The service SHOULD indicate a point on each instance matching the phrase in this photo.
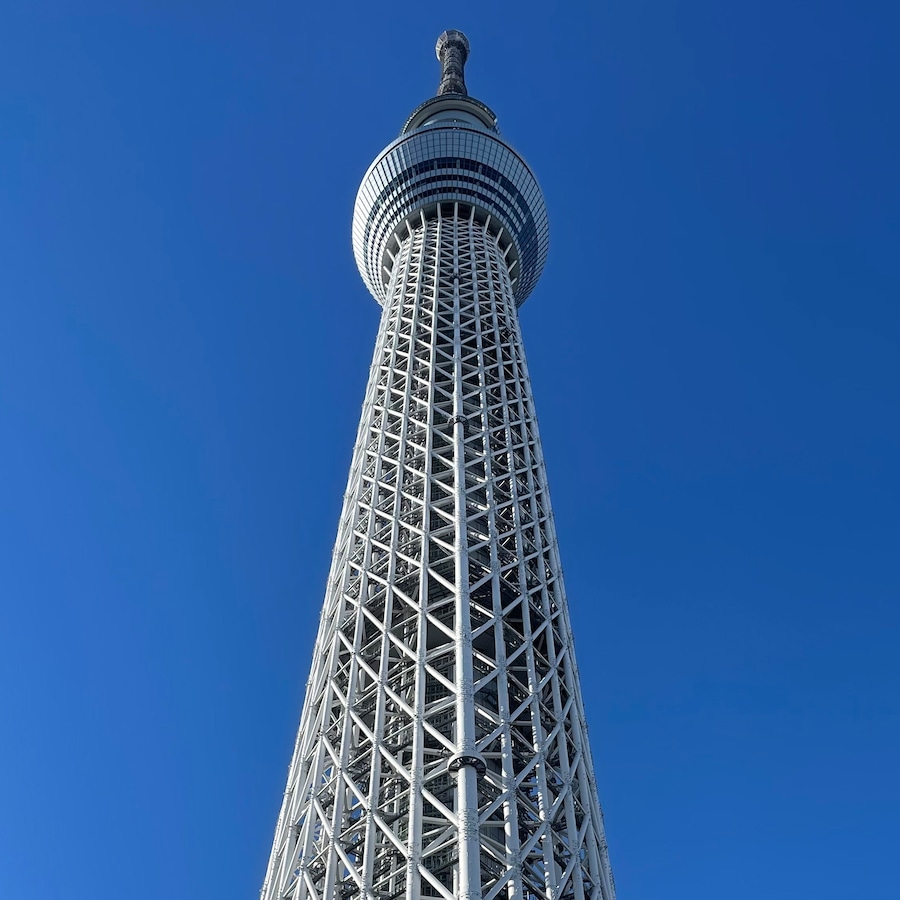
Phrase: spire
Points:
(452, 50)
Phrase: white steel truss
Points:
(442, 749)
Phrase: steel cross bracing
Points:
(442, 749)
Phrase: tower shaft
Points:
(442, 749)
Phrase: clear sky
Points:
(715, 350)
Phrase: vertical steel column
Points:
(465, 760)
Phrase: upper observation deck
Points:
(450, 151)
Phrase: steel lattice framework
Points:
(442, 749)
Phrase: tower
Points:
(442, 749)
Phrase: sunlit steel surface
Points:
(442, 749)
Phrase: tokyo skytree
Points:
(442, 749)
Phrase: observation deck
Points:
(450, 151)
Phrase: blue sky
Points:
(715, 350)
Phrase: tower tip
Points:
(452, 50)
